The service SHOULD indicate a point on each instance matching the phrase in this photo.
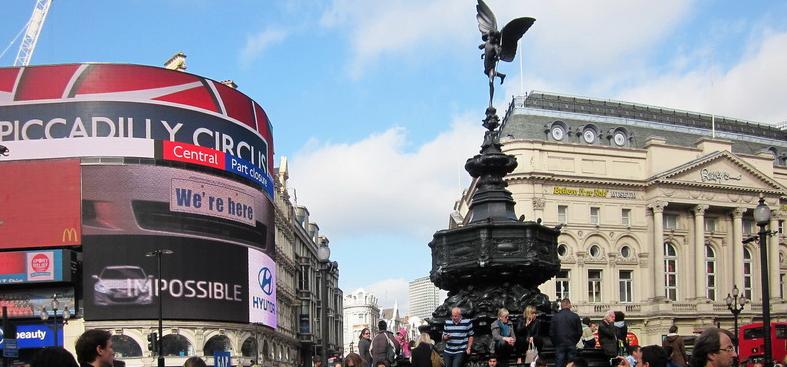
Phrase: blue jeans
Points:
(453, 360)
(563, 354)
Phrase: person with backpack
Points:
(384, 346)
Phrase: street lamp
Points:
(323, 256)
(732, 305)
(55, 305)
(160, 346)
(762, 215)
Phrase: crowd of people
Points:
(520, 341)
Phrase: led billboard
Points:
(40, 203)
(35, 266)
(200, 280)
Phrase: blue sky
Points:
(377, 104)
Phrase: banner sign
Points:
(262, 289)
(193, 154)
(40, 203)
(221, 359)
(34, 266)
(37, 336)
(197, 197)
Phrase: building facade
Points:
(423, 298)
(656, 205)
(361, 311)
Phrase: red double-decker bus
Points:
(751, 343)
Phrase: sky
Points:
(377, 104)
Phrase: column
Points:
(737, 247)
(582, 280)
(699, 252)
(658, 249)
(773, 258)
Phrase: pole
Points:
(5, 330)
(766, 296)
(159, 344)
(324, 317)
(736, 332)
(56, 325)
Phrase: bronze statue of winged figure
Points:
(498, 45)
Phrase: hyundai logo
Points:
(265, 277)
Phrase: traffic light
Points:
(152, 342)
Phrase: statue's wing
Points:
(511, 34)
(486, 19)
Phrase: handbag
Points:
(532, 353)
(437, 361)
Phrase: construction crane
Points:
(34, 26)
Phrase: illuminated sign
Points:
(198, 197)
(262, 289)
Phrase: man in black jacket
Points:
(607, 335)
(565, 331)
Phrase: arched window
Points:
(125, 346)
(217, 343)
(562, 250)
(595, 250)
(625, 251)
(671, 272)
(710, 273)
(747, 280)
(176, 345)
(249, 348)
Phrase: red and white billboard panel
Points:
(40, 204)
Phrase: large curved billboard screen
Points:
(51, 111)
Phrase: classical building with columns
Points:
(656, 205)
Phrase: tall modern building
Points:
(361, 311)
(655, 204)
(423, 298)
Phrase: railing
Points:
(684, 307)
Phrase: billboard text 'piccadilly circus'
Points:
(195, 177)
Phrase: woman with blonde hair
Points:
(422, 353)
(528, 330)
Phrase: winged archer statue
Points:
(498, 45)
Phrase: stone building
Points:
(361, 311)
(656, 204)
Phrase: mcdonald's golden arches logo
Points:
(70, 235)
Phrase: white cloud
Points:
(375, 186)
(753, 89)
(568, 36)
(390, 291)
(257, 43)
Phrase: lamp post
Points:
(55, 305)
(323, 256)
(160, 345)
(762, 215)
(733, 303)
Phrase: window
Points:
(561, 214)
(710, 225)
(781, 285)
(594, 286)
(710, 273)
(595, 251)
(626, 286)
(748, 227)
(562, 250)
(670, 221)
(625, 251)
(747, 279)
(594, 215)
(671, 272)
(781, 226)
(626, 217)
(561, 285)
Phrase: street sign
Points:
(9, 349)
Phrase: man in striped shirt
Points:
(458, 336)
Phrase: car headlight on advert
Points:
(101, 288)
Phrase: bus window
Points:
(781, 331)
(754, 333)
